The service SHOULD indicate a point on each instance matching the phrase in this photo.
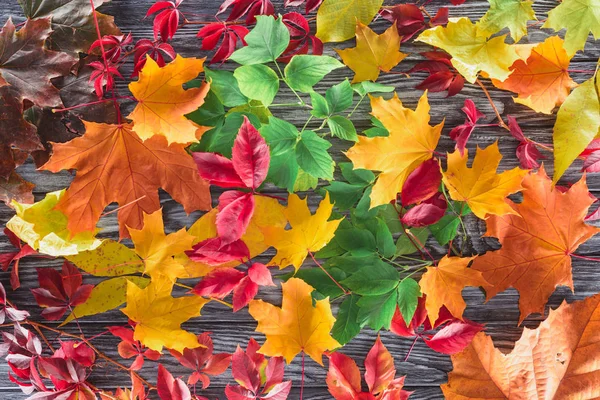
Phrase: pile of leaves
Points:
(372, 223)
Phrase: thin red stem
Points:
(487, 94)
(302, 379)
(585, 257)
(327, 273)
(122, 207)
(581, 71)
(410, 234)
(409, 237)
(59, 110)
(412, 346)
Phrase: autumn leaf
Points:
(411, 141)
(45, 228)
(267, 213)
(541, 79)
(16, 188)
(157, 249)
(308, 233)
(114, 165)
(336, 19)
(480, 186)
(577, 124)
(158, 315)
(579, 18)
(511, 14)
(444, 283)
(296, 326)
(373, 53)
(163, 103)
(537, 242)
(470, 49)
(554, 361)
(24, 59)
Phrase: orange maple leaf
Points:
(163, 103)
(114, 165)
(542, 81)
(558, 360)
(443, 285)
(538, 243)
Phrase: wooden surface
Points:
(425, 370)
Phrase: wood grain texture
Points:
(425, 370)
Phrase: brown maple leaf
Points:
(558, 360)
(114, 165)
(538, 243)
(16, 188)
(27, 66)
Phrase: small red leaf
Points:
(379, 366)
(424, 214)
(212, 252)
(343, 377)
(260, 274)
(245, 371)
(422, 183)
(217, 170)
(169, 388)
(250, 155)
(219, 283)
(243, 293)
(454, 337)
(235, 211)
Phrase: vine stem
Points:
(409, 233)
(487, 94)
(302, 379)
(122, 207)
(210, 298)
(327, 273)
(406, 230)
(412, 346)
(93, 103)
(585, 257)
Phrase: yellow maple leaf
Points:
(159, 316)
(411, 141)
(308, 233)
(373, 53)
(157, 249)
(163, 103)
(480, 186)
(296, 326)
(541, 79)
(471, 50)
(444, 283)
(267, 213)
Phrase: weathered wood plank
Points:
(425, 369)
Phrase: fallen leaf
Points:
(554, 361)
(373, 53)
(537, 242)
(308, 233)
(411, 141)
(114, 165)
(542, 79)
(443, 285)
(470, 49)
(483, 189)
(163, 103)
(16, 188)
(296, 326)
(158, 315)
(511, 14)
(169, 388)
(578, 17)
(336, 20)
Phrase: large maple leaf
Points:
(480, 186)
(558, 360)
(72, 22)
(113, 164)
(443, 285)
(537, 243)
(309, 233)
(541, 79)
(411, 142)
(579, 18)
(471, 50)
(24, 59)
(373, 53)
(163, 103)
(158, 315)
(296, 326)
(157, 249)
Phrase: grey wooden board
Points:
(425, 370)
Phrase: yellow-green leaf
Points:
(511, 14)
(109, 259)
(336, 19)
(578, 17)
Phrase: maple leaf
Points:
(24, 59)
(163, 103)
(343, 376)
(336, 20)
(373, 53)
(541, 79)
(554, 361)
(579, 18)
(308, 233)
(537, 242)
(480, 186)
(59, 292)
(16, 188)
(511, 14)
(444, 283)
(158, 315)
(267, 213)
(113, 164)
(202, 361)
(157, 249)
(411, 141)
(45, 228)
(296, 326)
(471, 51)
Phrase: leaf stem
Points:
(487, 94)
(327, 273)
(301, 101)
(302, 381)
(412, 346)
